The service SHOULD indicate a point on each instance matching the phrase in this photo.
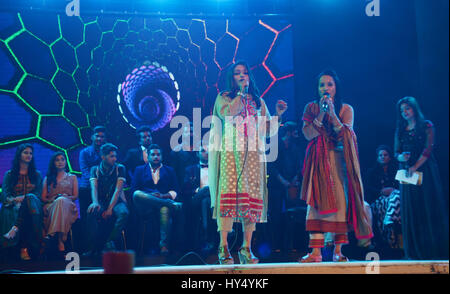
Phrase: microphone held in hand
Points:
(324, 104)
(244, 87)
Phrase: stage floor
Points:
(352, 267)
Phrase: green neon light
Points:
(26, 103)
(51, 144)
(13, 36)
(68, 161)
(21, 21)
(16, 141)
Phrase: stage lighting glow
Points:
(62, 87)
(147, 96)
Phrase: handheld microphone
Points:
(324, 104)
(246, 90)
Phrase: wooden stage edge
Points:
(353, 267)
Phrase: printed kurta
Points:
(237, 167)
(60, 214)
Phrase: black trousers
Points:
(30, 224)
(104, 231)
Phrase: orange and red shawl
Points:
(317, 179)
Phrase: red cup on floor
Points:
(118, 262)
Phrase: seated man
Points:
(138, 156)
(155, 186)
(196, 195)
(108, 213)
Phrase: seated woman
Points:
(383, 195)
(60, 190)
(21, 205)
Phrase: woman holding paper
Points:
(424, 219)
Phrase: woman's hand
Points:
(93, 207)
(107, 213)
(281, 107)
(331, 111)
(321, 102)
(19, 199)
(404, 157)
(243, 87)
(411, 171)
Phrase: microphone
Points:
(245, 89)
(324, 104)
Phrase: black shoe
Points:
(110, 246)
(164, 251)
(91, 254)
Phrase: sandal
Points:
(339, 258)
(12, 233)
(246, 256)
(225, 256)
(309, 258)
(24, 254)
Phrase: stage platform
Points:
(352, 267)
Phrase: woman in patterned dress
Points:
(60, 190)
(384, 197)
(237, 164)
(332, 185)
(21, 211)
(423, 210)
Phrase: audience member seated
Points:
(138, 156)
(134, 158)
(183, 154)
(383, 194)
(88, 158)
(60, 190)
(21, 210)
(155, 188)
(197, 204)
(108, 213)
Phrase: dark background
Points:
(402, 52)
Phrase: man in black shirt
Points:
(138, 156)
(108, 212)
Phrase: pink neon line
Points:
(290, 25)
(285, 77)
(237, 45)
(268, 27)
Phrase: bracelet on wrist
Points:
(338, 128)
(317, 123)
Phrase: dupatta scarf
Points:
(317, 187)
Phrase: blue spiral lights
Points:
(148, 96)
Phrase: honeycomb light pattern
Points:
(64, 71)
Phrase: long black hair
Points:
(392, 162)
(418, 115)
(337, 97)
(15, 170)
(233, 88)
(52, 172)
